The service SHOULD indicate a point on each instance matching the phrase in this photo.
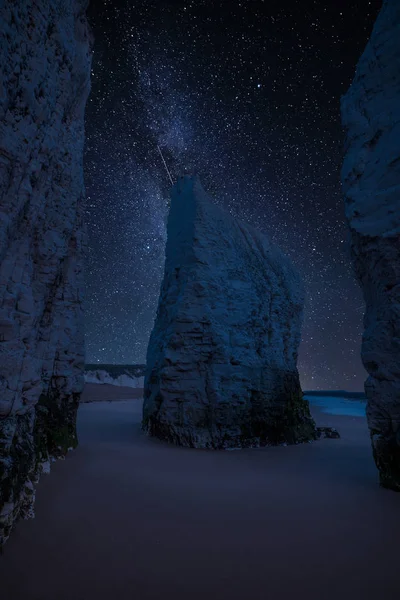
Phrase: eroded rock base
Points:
(386, 453)
(28, 444)
(384, 424)
(377, 263)
(253, 423)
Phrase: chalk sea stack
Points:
(371, 184)
(45, 58)
(221, 362)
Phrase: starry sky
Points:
(246, 94)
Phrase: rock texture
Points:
(221, 362)
(45, 62)
(371, 183)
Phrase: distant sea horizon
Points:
(115, 369)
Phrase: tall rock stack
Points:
(221, 362)
(371, 183)
(45, 60)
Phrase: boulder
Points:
(328, 432)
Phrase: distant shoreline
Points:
(115, 370)
(336, 394)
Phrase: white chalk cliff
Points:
(371, 184)
(221, 361)
(45, 60)
(102, 377)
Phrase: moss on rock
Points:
(28, 441)
(55, 426)
(386, 452)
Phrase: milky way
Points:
(247, 95)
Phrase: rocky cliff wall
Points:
(371, 184)
(221, 362)
(45, 60)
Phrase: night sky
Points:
(246, 94)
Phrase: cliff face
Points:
(221, 362)
(371, 183)
(45, 60)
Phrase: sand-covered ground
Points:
(125, 517)
(105, 392)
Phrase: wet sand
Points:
(125, 517)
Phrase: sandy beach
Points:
(127, 517)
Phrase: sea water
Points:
(338, 406)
